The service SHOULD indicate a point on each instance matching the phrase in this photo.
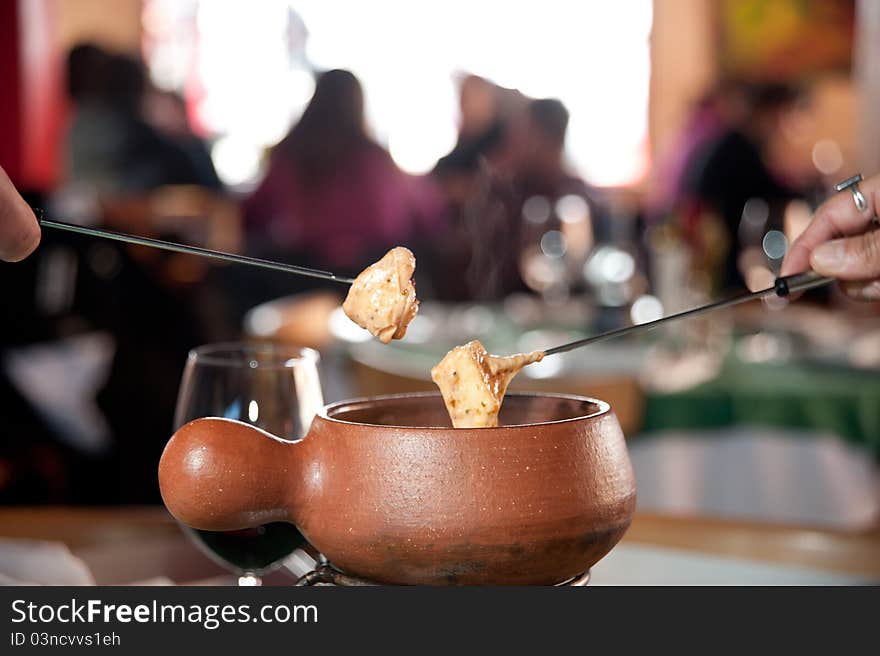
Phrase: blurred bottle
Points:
(670, 267)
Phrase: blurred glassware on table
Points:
(682, 278)
(313, 319)
(508, 184)
(273, 388)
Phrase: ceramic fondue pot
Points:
(388, 491)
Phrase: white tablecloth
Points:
(760, 474)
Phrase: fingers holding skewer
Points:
(842, 240)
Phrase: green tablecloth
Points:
(800, 395)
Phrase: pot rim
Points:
(604, 408)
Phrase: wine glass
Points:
(271, 387)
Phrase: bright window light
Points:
(593, 55)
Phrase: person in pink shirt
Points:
(332, 196)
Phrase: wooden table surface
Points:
(139, 542)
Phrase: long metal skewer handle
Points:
(782, 287)
(190, 250)
(799, 282)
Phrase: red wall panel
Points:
(10, 91)
(31, 94)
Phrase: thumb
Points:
(19, 230)
(853, 258)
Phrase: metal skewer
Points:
(191, 250)
(783, 287)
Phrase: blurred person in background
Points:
(332, 197)
(732, 170)
(534, 158)
(720, 108)
(166, 111)
(527, 163)
(93, 134)
(486, 111)
(466, 177)
(111, 148)
(537, 166)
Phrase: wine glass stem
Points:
(249, 580)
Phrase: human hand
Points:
(842, 242)
(19, 230)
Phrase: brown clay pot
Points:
(388, 491)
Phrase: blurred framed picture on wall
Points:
(777, 40)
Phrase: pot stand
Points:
(326, 574)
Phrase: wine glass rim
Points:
(241, 354)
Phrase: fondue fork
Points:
(191, 250)
(782, 287)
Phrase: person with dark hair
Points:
(166, 111)
(534, 155)
(331, 194)
(86, 71)
(710, 116)
(330, 129)
(550, 118)
(111, 148)
(526, 163)
(541, 160)
(94, 133)
(732, 170)
(485, 110)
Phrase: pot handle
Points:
(219, 475)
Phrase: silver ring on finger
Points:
(853, 185)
